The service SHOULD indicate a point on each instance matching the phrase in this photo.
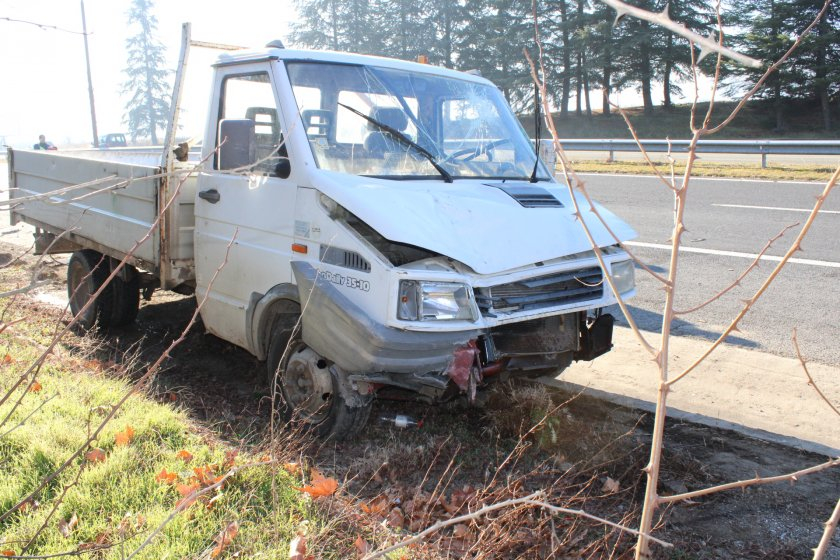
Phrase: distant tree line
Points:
(585, 49)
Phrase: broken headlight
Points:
(624, 276)
(434, 301)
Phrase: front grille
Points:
(564, 288)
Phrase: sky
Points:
(44, 87)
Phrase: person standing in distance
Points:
(43, 144)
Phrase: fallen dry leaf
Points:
(35, 387)
(184, 455)
(320, 485)
(95, 455)
(166, 477)
(8, 553)
(7, 359)
(361, 546)
(291, 468)
(186, 489)
(377, 506)
(297, 549)
(460, 531)
(230, 459)
(66, 527)
(396, 519)
(611, 486)
(205, 475)
(125, 437)
(224, 538)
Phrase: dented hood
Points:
(480, 225)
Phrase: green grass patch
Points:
(710, 169)
(756, 120)
(119, 501)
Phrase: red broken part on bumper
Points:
(464, 359)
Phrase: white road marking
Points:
(730, 179)
(776, 208)
(811, 262)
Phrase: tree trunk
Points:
(586, 88)
(579, 65)
(666, 78)
(564, 21)
(777, 106)
(821, 79)
(579, 84)
(645, 76)
(606, 71)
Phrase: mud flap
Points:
(595, 337)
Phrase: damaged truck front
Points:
(440, 255)
(366, 226)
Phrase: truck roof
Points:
(246, 56)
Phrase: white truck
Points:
(386, 227)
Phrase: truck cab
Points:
(387, 227)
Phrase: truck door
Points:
(246, 212)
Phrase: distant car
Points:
(115, 140)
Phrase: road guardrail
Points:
(757, 147)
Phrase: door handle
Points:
(212, 196)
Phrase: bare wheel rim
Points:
(307, 384)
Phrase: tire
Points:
(309, 394)
(126, 298)
(86, 272)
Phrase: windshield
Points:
(351, 114)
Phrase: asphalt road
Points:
(736, 216)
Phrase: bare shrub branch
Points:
(828, 534)
(789, 477)
(743, 275)
(811, 381)
(795, 246)
(662, 19)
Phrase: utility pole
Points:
(90, 80)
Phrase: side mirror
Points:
(237, 143)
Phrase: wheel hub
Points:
(307, 384)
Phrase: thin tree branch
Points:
(662, 19)
(737, 282)
(828, 533)
(775, 66)
(811, 381)
(796, 246)
(530, 500)
(794, 476)
(598, 254)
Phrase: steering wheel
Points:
(473, 153)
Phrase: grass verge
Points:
(711, 169)
(145, 462)
(150, 460)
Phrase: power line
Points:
(43, 26)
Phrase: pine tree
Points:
(148, 107)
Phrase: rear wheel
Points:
(308, 389)
(126, 297)
(86, 272)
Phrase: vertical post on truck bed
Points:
(167, 161)
(175, 105)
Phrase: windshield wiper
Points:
(405, 140)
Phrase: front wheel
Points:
(308, 389)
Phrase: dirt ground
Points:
(587, 441)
